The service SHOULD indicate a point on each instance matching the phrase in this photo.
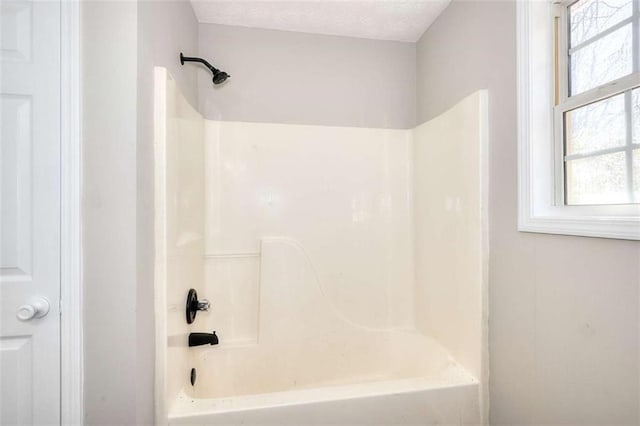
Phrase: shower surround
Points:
(346, 269)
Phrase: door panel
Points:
(16, 359)
(16, 188)
(29, 211)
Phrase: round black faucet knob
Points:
(194, 305)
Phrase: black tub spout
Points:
(199, 339)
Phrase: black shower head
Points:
(219, 77)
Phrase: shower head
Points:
(219, 77)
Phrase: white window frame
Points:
(541, 206)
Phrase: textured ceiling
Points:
(401, 20)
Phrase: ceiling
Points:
(400, 20)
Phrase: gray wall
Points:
(564, 310)
(121, 43)
(109, 210)
(290, 77)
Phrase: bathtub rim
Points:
(188, 407)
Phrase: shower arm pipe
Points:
(184, 59)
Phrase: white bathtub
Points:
(377, 382)
(312, 366)
(406, 402)
(417, 401)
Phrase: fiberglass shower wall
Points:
(343, 194)
(179, 232)
(338, 260)
(391, 226)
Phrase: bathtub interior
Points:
(305, 342)
(332, 256)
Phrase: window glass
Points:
(600, 179)
(604, 60)
(588, 18)
(597, 126)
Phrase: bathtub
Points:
(448, 398)
(321, 368)
(403, 402)
(378, 382)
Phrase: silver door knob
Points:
(38, 308)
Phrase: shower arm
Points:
(184, 59)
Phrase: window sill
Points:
(601, 227)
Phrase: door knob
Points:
(38, 308)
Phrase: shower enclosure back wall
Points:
(342, 194)
(308, 264)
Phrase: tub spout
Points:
(199, 339)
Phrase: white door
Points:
(29, 212)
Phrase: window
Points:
(598, 102)
(579, 117)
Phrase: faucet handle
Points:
(194, 305)
(203, 305)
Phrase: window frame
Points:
(541, 206)
(565, 102)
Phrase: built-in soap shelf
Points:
(232, 283)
